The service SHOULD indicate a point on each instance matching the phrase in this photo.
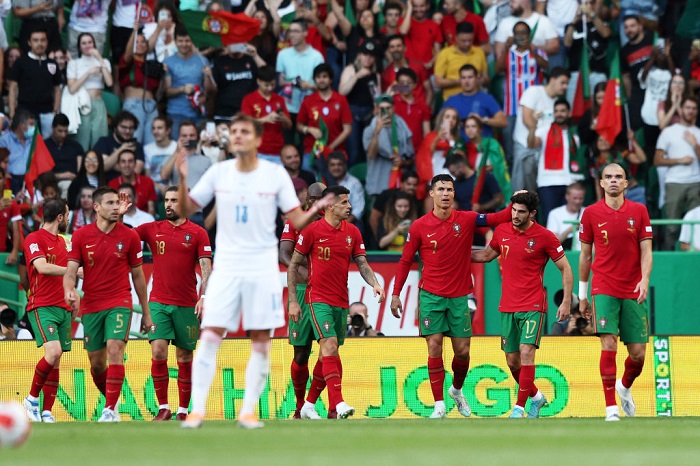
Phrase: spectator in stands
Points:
(472, 102)
(34, 15)
(690, 233)
(587, 124)
(358, 325)
(139, 90)
(544, 34)
(523, 68)
(158, 151)
(409, 184)
(571, 211)
(414, 111)
(396, 56)
(61, 58)
(327, 106)
(393, 226)
(456, 13)
(134, 217)
(92, 17)
(387, 140)
(10, 57)
(90, 173)
(35, 84)
(669, 110)
(197, 163)
(358, 36)
(162, 38)
(18, 141)
(84, 213)
(144, 187)
(359, 83)
(270, 29)
(595, 36)
(65, 153)
(89, 73)
(647, 12)
(453, 58)
(423, 35)
(655, 78)
(678, 148)
(124, 125)
(393, 12)
(465, 177)
(123, 18)
(296, 66)
(269, 109)
(561, 13)
(235, 75)
(560, 161)
(187, 80)
(604, 154)
(338, 171)
(633, 56)
(10, 219)
(536, 110)
(487, 150)
(430, 158)
(291, 160)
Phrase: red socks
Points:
(460, 367)
(184, 383)
(632, 370)
(100, 381)
(436, 372)
(115, 380)
(159, 372)
(50, 389)
(516, 376)
(300, 377)
(608, 372)
(331, 373)
(318, 383)
(526, 382)
(41, 373)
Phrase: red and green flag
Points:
(219, 28)
(610, 116)
(582, 98)
(39, 162)
(492, 156)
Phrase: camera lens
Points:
(357, 321)
(7, 317)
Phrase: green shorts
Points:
(329, 321)
(449, 316)
(521, 328)
(626, 315)
(110, 324)
(301, 333)
(178, 324)
(51, 323)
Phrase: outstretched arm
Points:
(484, 255)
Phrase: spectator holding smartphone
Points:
(397, 219)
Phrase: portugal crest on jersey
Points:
(188, 239)
(120, 249)
(603, 322)
(631, 222)
(348, 241)
(51, 329)
(530, 245)
(295, 334)
(426, 323)
(327, 326)
(457, 229)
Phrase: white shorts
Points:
(253, 302)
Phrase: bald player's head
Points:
(613, 180)
(315, 193)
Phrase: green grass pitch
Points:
(566, 442)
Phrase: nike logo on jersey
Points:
(323, 240)
(88, 246)
(432, 234)
(117, 331)
(158, 235)
(51, 248)
(601, 224)
(505, 239)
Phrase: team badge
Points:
(120, 246)
(603, 322)
(348, 240)
(33, 248)
(325, 111)
(153, 328)
(530, 245)
(87, 339)
(631, 222)
(504, 342)
(188, 239)
(295, 334)
(326, 326)
(457, 229)
(426, 322)
(51, 67)
(51, 329)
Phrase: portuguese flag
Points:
(40, 161)
(610, 116)
(219, 28)
(582, 98)
(492, 156)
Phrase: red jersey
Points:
(448, 26)
(107, 260)
(389, 78)
(329, 251)
(335, 113)
(421, 38)
(616, 235)
(414, 114)
(257, 106)
(289, 233)
(145, 190)
(176, 252)
(524, 255)
(45, 290)
(7, 216)
(445, 249)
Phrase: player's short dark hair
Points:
(337, 155)
(60, 120)
(395, 37)
(562, 101)
(558, 72)
(241, 117)
(441, 177)
(172, 189)
(130, 187)
(337, 191)
(392, 5)
(266, 74)
(407, 72)
(522, 23)
(465, 28)
(406, 174)
(165, 119)
(324, 68)
(100, 192)
(529, 199)
(468, 67)
(181, 31)
(53, 208)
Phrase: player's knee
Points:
(159, 351)
(210, 336)
(262, 347)
(301, 355)
(183, 355)
(53, 355)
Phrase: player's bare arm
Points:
(300, 218)
(141, 291)
(45, 268)
(70, 278)
(567, 281)
(368, 276)
(124, 205)
(484, 255)
(205, 265)
(646, 262)
(293, 308)
(185, 206)
(584, 270)
(285, 257)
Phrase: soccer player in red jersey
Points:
(443, 238)
(525, 248)
(47, 257)
(621, 232)
(301, 334)
(177, 246)
(108, 251)
(329, 244)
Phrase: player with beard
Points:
(178, 245)
(49, 315)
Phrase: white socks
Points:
(255, 379)
(204, 369)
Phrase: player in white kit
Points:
(244, 285)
